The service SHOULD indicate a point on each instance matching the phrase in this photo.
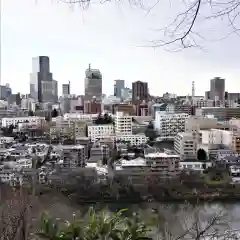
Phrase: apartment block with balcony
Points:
(73, 156)
(123, 124)
(186, 145)
(169, 125)
(165, 164)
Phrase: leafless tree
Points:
(193, 222)
(14, 208)
(183, 31)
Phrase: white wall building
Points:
(6, 122)
(137, 139)
(79, 116)
(98, 132)
(123, 124)
(186, 145)
(195, 166)
(218, 136)
(168, 125)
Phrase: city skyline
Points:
(56, 31)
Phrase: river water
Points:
(231, 212)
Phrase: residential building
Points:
(168, 125)
(123, 124)
(37, 121)
(73, 156)
(217, 137)
(139, 92)
(42, 86)
(195, 166)
(217, 89)
(165, 164)
(133, 139)
(93, 84)
(186, 145)
(98, 132)
(119, 85)
(99, 153)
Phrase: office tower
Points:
(66, 89)
(93, 84)
(42, 86)
(139, 91)
(217, 89)
(118, 86)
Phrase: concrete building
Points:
(133, 139)
(99, 132)
(186, 145)
(220, 113)
(66, 89)
(217, 137)
(73, 156)
(123, 124)
(168, 125)
(195, 166)
(119, 85)
(93, 84)
(99, 153)
(166, 164)
(42, 86)
(139, 92)
(217, 89)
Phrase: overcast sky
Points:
(108, 36)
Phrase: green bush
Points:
(94, 226)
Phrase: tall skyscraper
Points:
(217, 89)
(93, 84)
(42, 86)
(139, 91)
(118, 86)
(66, 89)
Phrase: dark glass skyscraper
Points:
(42, 86)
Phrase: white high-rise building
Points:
(123, 124)
(169, 125)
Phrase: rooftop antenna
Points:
(89, 66)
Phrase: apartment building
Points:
(73, 156)
(168, 125)
(37, 121)
(136, 140)
(79, 116)
(165, 164)
(154, 165)
(123, 124)
(194, 166)
(99, 132)
(99, 153)
(186, 145)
